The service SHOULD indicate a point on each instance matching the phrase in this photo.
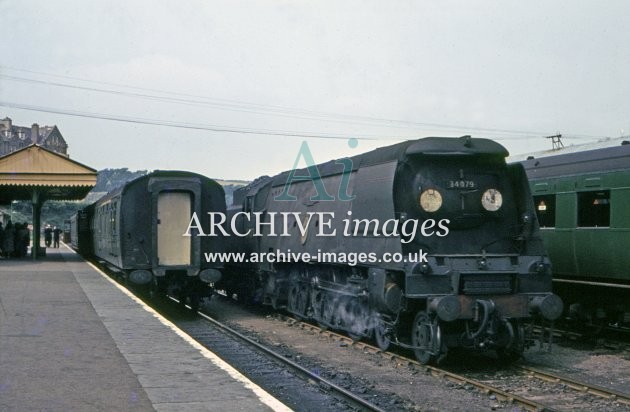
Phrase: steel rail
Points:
(611, 343)
(592, 389)
(354, 400)
(577, 385)
(357, 401)
(500, 394)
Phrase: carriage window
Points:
(594, 209)
(546, 210)
(114, 206)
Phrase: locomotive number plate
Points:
(461, 184)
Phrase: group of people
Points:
(14, 239)
(51, 235)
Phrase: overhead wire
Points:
(232, 105)
(193, 126)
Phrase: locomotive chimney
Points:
(35, 133)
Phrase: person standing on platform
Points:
(48, 235)
(23, 238)
(8, 242)
(17, 239)
(1, 240)
(56, 233)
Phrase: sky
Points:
(231, 89)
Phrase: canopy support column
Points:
(37, 214)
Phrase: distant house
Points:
(14, 138)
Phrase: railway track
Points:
(608, 337)
(206, 336)
(312, 394)
(502, 389)
(579, 386)
(556, 392)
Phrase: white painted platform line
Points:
(260, 393)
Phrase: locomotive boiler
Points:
(428, 244)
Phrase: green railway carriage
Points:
(583, 205)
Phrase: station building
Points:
(14, 138)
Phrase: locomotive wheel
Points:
(515, 350)
(298, 300)
(425, 334)
(275, 302)
(380, 336)
(292, 299)
(316, 303)
(272, 293)
(327, 311)
(356, 319)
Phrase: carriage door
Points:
(173, 214)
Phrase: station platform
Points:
(73, 339)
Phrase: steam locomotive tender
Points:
(137, 230)
(482, 277)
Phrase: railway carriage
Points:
(486, 270)
(137, 230)
(80, 234)
(583, 204)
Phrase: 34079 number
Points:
(461, 184)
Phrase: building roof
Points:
(53, 175)
(26, 133)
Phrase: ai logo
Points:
(315, 177)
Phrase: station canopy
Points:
(36, 171)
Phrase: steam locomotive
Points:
(469, 274)
(137, 230)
